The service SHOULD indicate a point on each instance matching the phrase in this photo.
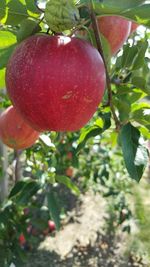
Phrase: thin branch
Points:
(100, 49)
(17, 165)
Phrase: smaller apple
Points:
(69, 171)
(52, 226)
(69, 155)
(22, 240)
(134, 27)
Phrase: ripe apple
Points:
(14, 131)
(134, 26)
(56, 82)
(69, 171)
(52, 226)
(69, 155)
(115, 29)
(22, 240)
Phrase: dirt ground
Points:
(83, 240)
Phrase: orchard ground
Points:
(87, 240)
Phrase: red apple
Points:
(134, 26)
(52, 226)
(14, 131)
(69, 155)
(69, 171)
(116, 30)
(22, 240)
(56, 82)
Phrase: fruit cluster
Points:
(56, 83)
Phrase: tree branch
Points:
(17, 165)
(100, 49)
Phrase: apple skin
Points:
(56, 82)
(115, 29)
(134, 26)
(14, 131)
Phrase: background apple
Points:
(56, 82)
(134, 26)
(115, 29)
(14, 131)
(51, 225)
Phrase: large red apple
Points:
(116, 30)
(56, 82)
(14, 131)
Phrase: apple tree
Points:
(77, 75)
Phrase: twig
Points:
(100, 49)
(17, 165)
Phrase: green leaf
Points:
(139, 13)
(129, 53)
(31, 6)
(139, 82)
(28, 27)
(2, 78)
(135, 155)
(7, 45)
(113, 6)
(135, 10)
(141, 113)
(29, 190)
(67, 181)
(7, 38)
(17, 188)
(54, 208)
(139, 59)
(5, 54)
(145, 132)
(124, 107)
(17, 11)
(2, 9)
(93, 131)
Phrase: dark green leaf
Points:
(31, 6)
(67, 181)
(5, 54)
(135, 155)
(139, 82)
(2, 9)
(129, 53)
(17, 188)
(95, 130)
(17, 11)
(139, 59)
(28, 27)
(54, 208)
(29, 190)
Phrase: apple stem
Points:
(100, 49)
